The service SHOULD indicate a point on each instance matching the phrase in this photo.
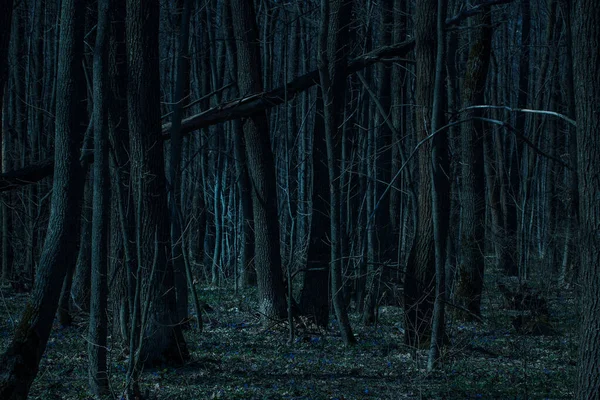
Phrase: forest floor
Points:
(234, 358)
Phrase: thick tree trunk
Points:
(36, 119)
(469, 283)
(20, 362)
(419, 286)
(12, 133)
(121, 191)
(261, 166)
(586, 69)
(162, 338)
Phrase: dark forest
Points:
(299, 199)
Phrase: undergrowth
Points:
(236, 358)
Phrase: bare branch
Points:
(249, 104)
(525, 110)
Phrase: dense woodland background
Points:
(332, 170)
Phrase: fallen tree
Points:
(247, 105)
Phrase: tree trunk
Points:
(469, 283)
(586, 69)
(568, 88)
(175, 207)
(398, 94)
(98, 325)
(419, 287)
(333, 53)
(5, 24)
(80, 288)
(20, 362)
(246, 266)
(36, 119)
(161, 335)
(314, 297)
(11, 130)
(440, 190)
(261, 166)
(513, 244)
(77, 283)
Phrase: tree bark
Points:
(80, 287)
(161, 336)
(469, 283)
(440, 190)
(314, 297)
(261, 166)
(333, 53)
(586, 69)
(20, 362)
(5, 23)
(419, 286)
(77, 282)
(36, 119)
(176, 212)
(246, 266)
(398, 95)
(98, 324)
(568, 89)
(512, 236)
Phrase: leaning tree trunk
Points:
(19, 364)
(261, 166)
(586, 69)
